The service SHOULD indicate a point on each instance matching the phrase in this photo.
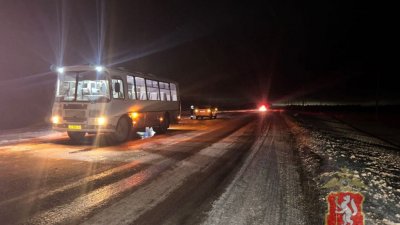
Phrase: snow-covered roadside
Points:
(338, 158)
(385, 127)
(14, 136)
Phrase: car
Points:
(205, 111)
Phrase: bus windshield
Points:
(92, 86)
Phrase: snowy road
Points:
(243, 168)
(48, 180)
(267, 189)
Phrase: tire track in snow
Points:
(266, 190)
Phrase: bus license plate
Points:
(74, 127)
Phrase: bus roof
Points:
(119, 71)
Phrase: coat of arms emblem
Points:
(345, 208)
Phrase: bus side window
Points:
(120, 94)
(140, 88)
(173, 92)
(165, 92)
(131, 87)
(152, 90)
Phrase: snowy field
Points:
(338, 157)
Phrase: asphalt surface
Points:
(237, 169)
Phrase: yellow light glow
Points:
(161, 119)
(55, 119)
(133, 115)
(101, 121)
(216, 109)
(178, 117)
(196, 110)
(208, 110)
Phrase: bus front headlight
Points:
(55, 119)
(101, 121)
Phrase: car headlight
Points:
(262, 108)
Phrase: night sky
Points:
(229, 54)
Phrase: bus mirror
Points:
(117, 87)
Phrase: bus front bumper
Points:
(84, 128)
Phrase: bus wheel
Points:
(123, 130)
(162, 129)
(76, 136)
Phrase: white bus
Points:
(95, 99)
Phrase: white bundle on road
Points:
(149, 132)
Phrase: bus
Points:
(97, 99)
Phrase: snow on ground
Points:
(167, 182)
(382, 125)
(266, 189)
(337, 157)
(14, 136)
